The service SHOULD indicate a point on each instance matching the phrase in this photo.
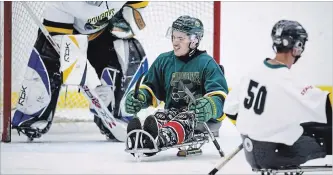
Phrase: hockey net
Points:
(72, 105)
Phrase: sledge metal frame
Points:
(294, 170)
(196, 142)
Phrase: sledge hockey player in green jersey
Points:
(186, 66)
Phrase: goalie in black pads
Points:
(171, 71)
(283, 121)
(100, 32)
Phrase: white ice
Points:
(80, 149)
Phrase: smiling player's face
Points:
(180, 43)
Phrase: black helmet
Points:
(289, 35)
(189, 25)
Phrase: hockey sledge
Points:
(299, 170)
(295, 169)
(192, 146)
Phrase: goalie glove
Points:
(126, 23)
(120, 28)
(134, 105)
(204, 109)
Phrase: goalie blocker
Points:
(42, 82)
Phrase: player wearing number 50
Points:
(283, 122)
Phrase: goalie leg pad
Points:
(75, 67)
(106, 94)
(109, 79)
(38, 96)
(134, 63)
(127, 57)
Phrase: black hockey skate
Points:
(33, 132)
(134, 124)
(154, 138)
(29, 132)
(151, 126)
(140, 142)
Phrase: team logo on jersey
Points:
(190, 79)
(99, 21)
(304, 90)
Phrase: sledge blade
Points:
(185, 153)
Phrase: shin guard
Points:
(37, 98)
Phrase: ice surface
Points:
(80, 149)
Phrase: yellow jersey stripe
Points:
(59, 30)
(218, 93)
(138, 5)
(154, 99)
(95, 35)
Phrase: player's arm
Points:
(231, 104)
(56, 20)
(150, 92)
(210, 106)
(317, 101)
(216, 88)
(314, 103)
(152, 84)
(329, 108)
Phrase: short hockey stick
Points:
(137, 86)
(136, 89)
(191, 96)
(117, 129)
(225, 161)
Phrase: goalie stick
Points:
(192, 98)
(136, 89)
(114, 126)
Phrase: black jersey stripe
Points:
(58, 24)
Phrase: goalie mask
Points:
(289, 36)
(193, 27)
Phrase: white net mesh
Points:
(158, 17)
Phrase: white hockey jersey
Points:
(270, 104)
(87, 17)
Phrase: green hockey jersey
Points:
(199, 73)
